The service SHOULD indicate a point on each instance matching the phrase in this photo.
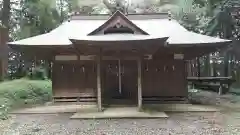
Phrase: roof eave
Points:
(209, 44)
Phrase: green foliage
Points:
(37, 17)
(20, 92)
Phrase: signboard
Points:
(178, 56)
(66, 57)
(87, 57)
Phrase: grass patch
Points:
(21, 92)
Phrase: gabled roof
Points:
(118, 17)
(78, 29)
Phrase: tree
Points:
(37, 17)
(5, 16)
(30, 18)
(219, 18)
(113, 6)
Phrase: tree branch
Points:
(110, 6)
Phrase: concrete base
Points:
(181, 108)
(121, 112)
(152, 109)
(63, 108)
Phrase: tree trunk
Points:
(5, 17)
(227, 33)
(61, 11)
(6, 13)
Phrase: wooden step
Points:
(164, 99)
(75, 99)
(65, 100)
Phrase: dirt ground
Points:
(226, 122)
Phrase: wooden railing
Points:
(217, 84)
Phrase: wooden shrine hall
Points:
(129, 59)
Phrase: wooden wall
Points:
(160, 79)
(73, 79)
(164, 78)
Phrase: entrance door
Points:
(129, 80)
(120, 81)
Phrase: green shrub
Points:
(23, 91)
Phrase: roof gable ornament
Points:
(169, 15)
(118, 23)
(119, 8)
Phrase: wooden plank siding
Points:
(110, 80)
(160, 79)
(75, 79)
(164, 79)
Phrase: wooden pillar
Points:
(198, 67)
(49, 69)
(119, 77)
(220, 89)
(139, 65)
(189, 68)
(99, 86)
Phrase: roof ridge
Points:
(136, 16)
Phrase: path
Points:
(177, 124)
(211, 123)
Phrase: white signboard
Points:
(66, 57)
(178, 56)
(87, 57)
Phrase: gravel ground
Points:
(177, 124)
(208, 123)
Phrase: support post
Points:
(119, 76)
(198, 67)
(99, 86)
(220, 89)
(139, 65)
(49, 69)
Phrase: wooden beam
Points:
(139, 65)
(99, 86)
